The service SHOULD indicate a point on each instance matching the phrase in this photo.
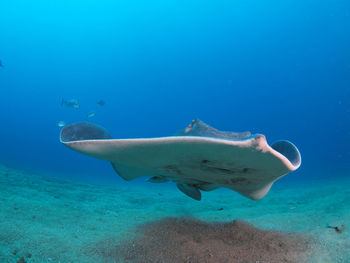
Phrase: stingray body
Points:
(197, 158)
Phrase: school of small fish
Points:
(75, 104)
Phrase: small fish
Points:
(72, 103)
(1, 65)
(101, 102)
(91, 114)
(337, 229)
(61, 124)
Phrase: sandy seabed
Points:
(44, 219)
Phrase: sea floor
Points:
(44, 219)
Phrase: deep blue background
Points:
(280, 68)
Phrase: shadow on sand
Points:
(190, 240)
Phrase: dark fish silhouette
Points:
(101, 102)
(1, 65)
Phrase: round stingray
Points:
(246, 165)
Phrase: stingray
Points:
(198, 158)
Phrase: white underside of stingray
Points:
(246, 165)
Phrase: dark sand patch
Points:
(175, 239)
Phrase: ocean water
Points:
(278, 68)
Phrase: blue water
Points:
(280, 68)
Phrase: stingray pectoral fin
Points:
(254, 192)
(190, 190)
(129, 173)
(157, 179)
(83, 131)
(288, 150)
(208, 187)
